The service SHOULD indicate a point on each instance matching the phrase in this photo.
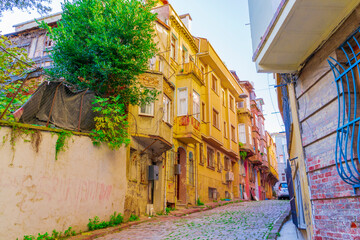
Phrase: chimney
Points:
(186, 19)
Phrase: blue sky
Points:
(225, 23)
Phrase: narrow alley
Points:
(244, 220)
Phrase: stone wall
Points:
(335, 207)
(39, 194)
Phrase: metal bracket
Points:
(355, 187)
(281, 85)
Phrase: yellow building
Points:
(184, 145)
(203, 161)
(218, 172)
(273, 175)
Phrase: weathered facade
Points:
(272, 173)
(246, 143)
(281, 154)
(39, 193)
(318, 88)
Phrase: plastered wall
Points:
(39, 194)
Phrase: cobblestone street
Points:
(245, 220)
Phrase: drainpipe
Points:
(165, 181)
(196, 172)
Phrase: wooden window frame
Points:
(217, 119)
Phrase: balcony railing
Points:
(188, 128)
(191, 67)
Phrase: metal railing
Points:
(346, 73)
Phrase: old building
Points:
(313, 46)
(272, 174)
(184, 146)
(246, 144)
(281, 154)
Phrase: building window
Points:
(182, 102)
(242, 133)
(231, 104)
(226, 163)
(147, 109)
(225, 130)
(241, 104)
(196, 105)
(191, 169)
(233, 134)
(48, 42)
(223, 97)
(214, 83)
(173, 47)
(215, 118)
(152, 63)
(249, 135)
(203, 112)
(218, 161)
(345, 67)
(210, 157)
(185, 55)
(201, 154)
(247, 103)
(212, 193)
(256, 121)
(167, 109)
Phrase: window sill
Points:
(233, 141)
(145, 115)
(216, 127)
(167, 123)
(212, 168)
(215, 92)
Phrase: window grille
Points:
(346, 73)
(286, 78)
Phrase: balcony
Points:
(191, 67)
(187, 129)
(256, 159)
(274, 173)
(244, 110)
(277, 26)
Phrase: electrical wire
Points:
(273, 105)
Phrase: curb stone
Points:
(278, 224)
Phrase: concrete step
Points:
(181, 206)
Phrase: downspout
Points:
(165, 183)
(196, 172)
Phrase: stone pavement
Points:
(245, 220)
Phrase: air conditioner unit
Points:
(153, 173)
(229, 176)
(177, 169)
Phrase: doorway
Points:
(181, 178)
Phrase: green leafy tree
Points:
(104, 46)
(9, 5)
(13, 62)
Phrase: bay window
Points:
(182, 102)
